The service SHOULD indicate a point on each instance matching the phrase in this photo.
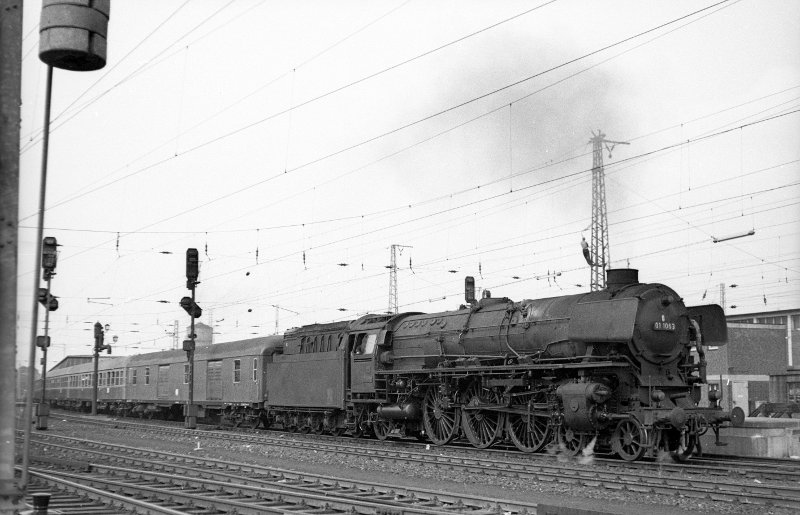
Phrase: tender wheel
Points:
(481, 427)
(629, 440)
(337, 431)
(569, 441)
(529, 431)
(440, 419)
(382, 429)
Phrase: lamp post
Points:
(71, 37)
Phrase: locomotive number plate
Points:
(664, 326)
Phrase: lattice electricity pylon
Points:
(599, 246)
(393, 307)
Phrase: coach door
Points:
(162, 387)
(214, 380)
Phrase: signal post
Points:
(99, 336)
(194, 311)
(50, 302)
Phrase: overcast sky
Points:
(293, 143)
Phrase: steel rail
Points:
(278, 481)
(567, 473)
(113, 500)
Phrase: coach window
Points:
(146, 375)
(237, 370)
(186, 374)
(255, 369)
(133, 377)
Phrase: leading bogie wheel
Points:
(570, 442)
(629, 440)
(382, 428)
(682, 448)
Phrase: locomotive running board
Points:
(548, 367)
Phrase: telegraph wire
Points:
(293, 107)
(397, 129)
(485, 199)
(112, 68)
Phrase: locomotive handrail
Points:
(509, 314)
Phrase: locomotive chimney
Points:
(617, 278)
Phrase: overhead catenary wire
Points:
(418, 121)
(306, 61)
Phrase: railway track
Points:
(785, 471)
(67, 497)
(712, 482)
(186, 483)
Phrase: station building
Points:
(760, 363)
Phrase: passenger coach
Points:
(229, 382)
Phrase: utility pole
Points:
(175, 336)
(277, 314)
(393, 308)
(10, 100)
(599, 246)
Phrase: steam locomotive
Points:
(620, 369)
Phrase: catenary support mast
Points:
(599, 246)
(393, 307)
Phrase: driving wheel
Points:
(482, 427)
(440, 419)
(527, 429)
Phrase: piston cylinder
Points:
(580, 401)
